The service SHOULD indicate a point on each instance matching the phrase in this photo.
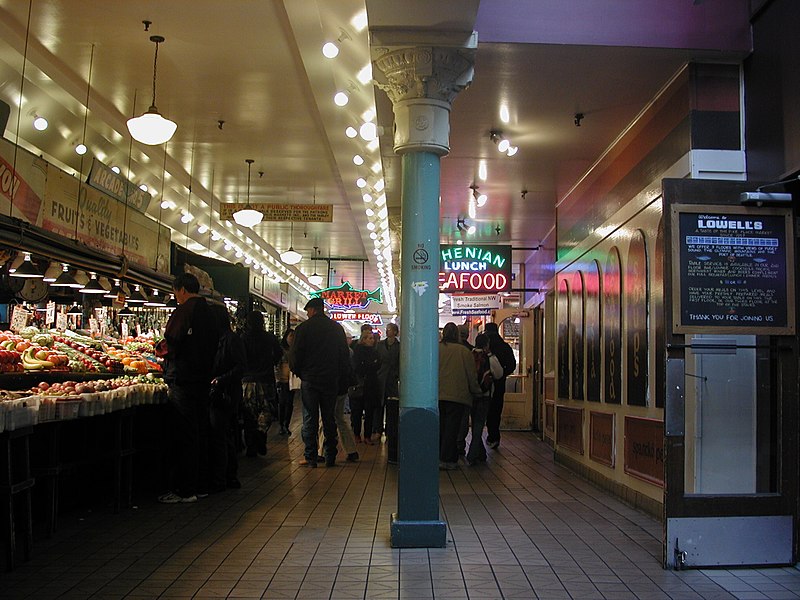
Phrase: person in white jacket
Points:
(488, 367)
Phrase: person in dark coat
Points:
(226, 396)
(259, 396)
(319, 356)
(365, 365)
(505, 355)
(190, 337)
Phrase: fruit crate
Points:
(67, 409)
(47, 409)
(22, 412)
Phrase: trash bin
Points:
(392, 422)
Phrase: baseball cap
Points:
(315, 303)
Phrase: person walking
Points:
(488, 368)
(320, 357)
(505, 355)
(388, 374)
(225, 398)
(285, 394)
(365, 367)
(458, 384)
(188, 349)
(259, 397)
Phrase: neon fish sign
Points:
(346, 297)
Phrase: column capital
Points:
(422, 81)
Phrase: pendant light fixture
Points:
(66, 279)
(75, 310)
(151, 128)
(125, 312)
(115, 291)
(155, 300)
(248, 216)
(136, 296)
(92, 286)
(315, 279)
(291, 256)
(27, 269)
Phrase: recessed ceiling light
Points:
(40, 123)
(351, 132)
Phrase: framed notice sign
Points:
(733, 270)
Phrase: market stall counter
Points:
(68, 438)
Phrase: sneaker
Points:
(173, 498)
(330, 461)
(306, 463)
(352, 457)
(320, 458)
(201, 495)
(493, 445)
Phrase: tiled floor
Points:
(519, 527)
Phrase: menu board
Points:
(733, 271)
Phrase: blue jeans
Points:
(316, 401)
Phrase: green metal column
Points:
(421, 81)
(417, 523)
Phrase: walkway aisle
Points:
(520, 527)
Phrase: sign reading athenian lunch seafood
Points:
(472, 268)
(303, 213)
(734, 270)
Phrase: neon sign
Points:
(471, 269)
(366, 317)
(346, 297)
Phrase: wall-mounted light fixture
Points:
(331, 49)
(503, 143)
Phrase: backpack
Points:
(484, 373)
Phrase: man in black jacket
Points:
(319, 356)
(191, 337)
(505, 355)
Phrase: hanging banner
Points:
(301, 213)
(45, 196)
(102, 222)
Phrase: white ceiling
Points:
(257, 66)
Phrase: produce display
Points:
(32, 350)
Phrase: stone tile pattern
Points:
(520, 527)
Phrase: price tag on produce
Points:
(50, 315)
(124, 328)
(61, 321)
(19, 318)
(93, 326)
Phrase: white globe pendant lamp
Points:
(291, 256)
(248, 216)
(151, 128)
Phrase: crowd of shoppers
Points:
(227, 388)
